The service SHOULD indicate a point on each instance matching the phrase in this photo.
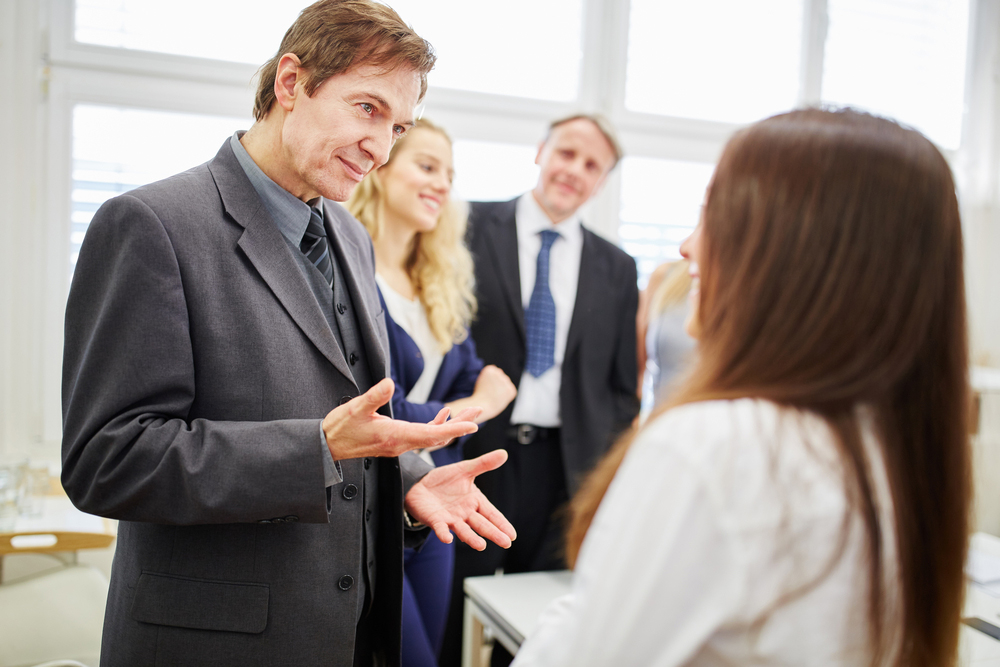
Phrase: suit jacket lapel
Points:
(270, 255)
(361, 293)
(503, 249)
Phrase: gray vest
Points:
(360, 479)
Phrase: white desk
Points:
(510, 605)
(978, 649)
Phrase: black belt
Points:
(526, 434)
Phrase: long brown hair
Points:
(831, 277)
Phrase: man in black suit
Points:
(570, 345)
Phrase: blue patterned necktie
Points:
(540, 316)
(315, 245)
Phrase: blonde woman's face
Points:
(417, 182)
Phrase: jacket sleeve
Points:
(130, 448)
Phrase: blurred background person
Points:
(557, 308)
(662, 343)
(424, 274)
(804, 498)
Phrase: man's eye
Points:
(368, 108)
(398, 130)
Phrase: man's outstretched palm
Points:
(447, 499)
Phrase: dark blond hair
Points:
(439, 265)
(832, 277)
(331, 36)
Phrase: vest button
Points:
(341, 308)
(368, 464)
(353, 359)
(350, 491)
(345, 582)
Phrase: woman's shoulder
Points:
(745, 449)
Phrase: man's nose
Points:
(378, 145)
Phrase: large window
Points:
(675, 76)
(723, 60)
(116, 149)
(131, 91)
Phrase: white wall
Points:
(23, 230)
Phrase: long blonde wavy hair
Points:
(439, 265)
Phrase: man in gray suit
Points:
(225, 392)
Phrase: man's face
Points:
(330, 141)
(574, 161)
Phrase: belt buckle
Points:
(525, 434)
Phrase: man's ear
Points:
(288, 74)
(538, 156)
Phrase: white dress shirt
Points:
(718, 511)
(537, 399)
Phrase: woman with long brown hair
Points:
(802, 499)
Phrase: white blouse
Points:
(719, 511)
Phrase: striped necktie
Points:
(540, 316)
(316, 247)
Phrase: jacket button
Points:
(264, 521)
(345, 399)
(341, 308)
(353, 359)
(368, 464)
(345, 582)
(291, 518)
(350, 491)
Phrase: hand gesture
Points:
(493, 392)
(448, 499)
(355, 430)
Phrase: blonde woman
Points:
(424, 274)
(663, 346)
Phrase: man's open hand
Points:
(448, 499)
(355, 430)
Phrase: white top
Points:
(537, 399)
(718, 511)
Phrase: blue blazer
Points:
(455, 379)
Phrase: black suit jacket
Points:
(597, 398)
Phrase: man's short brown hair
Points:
(331, 36)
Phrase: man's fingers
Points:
(442, 416)
(377, 396)
(468, 415)
(469, 536)
(486, 462)
(496, 517)
(488, 530)
(440, 529)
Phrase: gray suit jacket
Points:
(198, 366)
